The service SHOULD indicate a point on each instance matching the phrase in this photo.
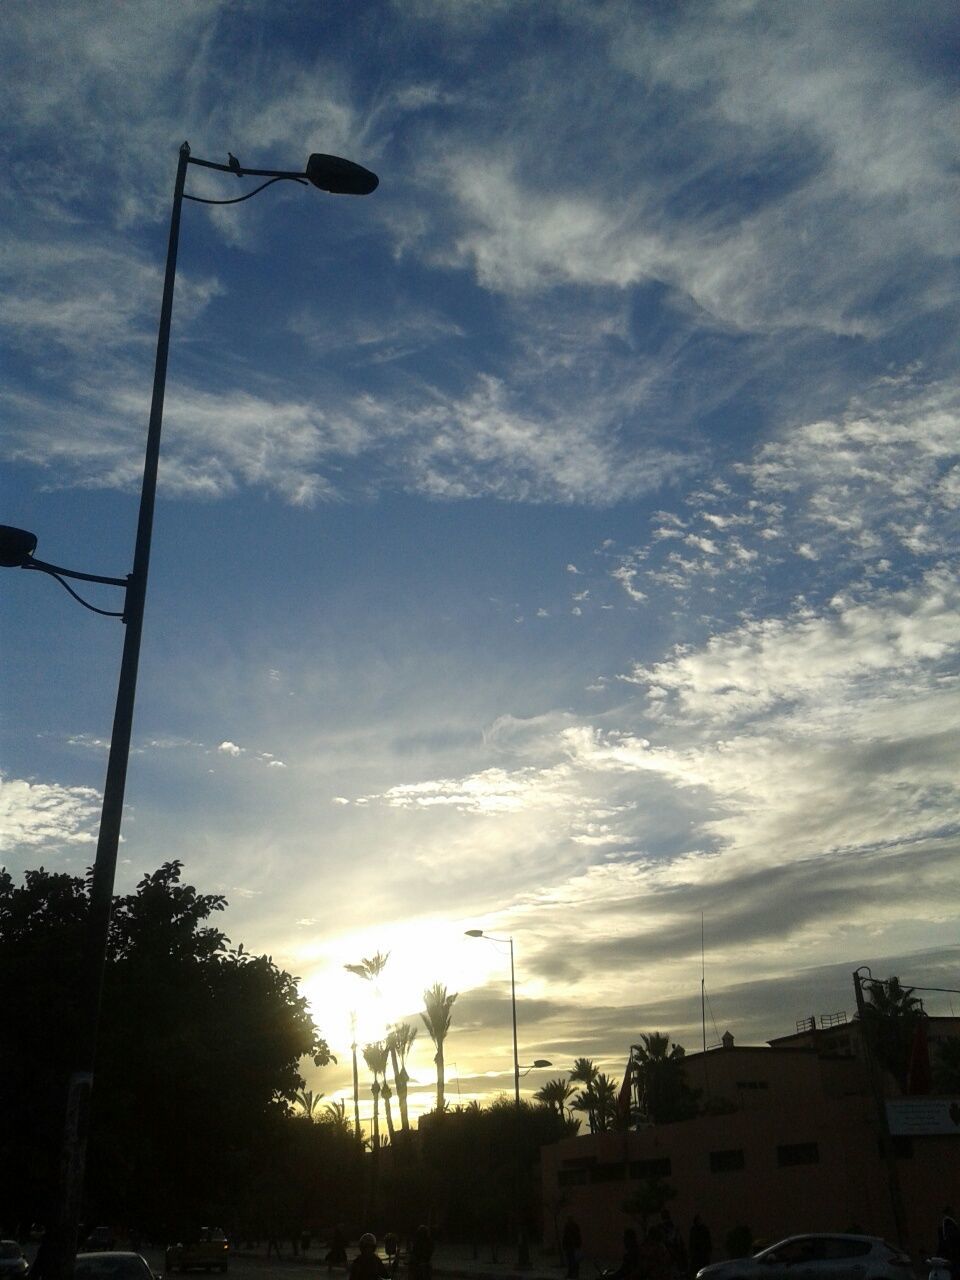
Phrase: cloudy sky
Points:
(559, 541)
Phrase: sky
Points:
(560, 541)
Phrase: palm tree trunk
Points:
(376, 1115)
(386, 1095)
(356, 1083)
(439, 1061)
(400, 1079)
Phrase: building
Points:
(790, 1141)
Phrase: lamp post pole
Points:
(80, 1087)
(523, 1246)
(339, 177)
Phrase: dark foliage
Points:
(199, 1047)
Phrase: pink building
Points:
(795, 1146)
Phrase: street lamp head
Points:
(340, 177)
(474, 933)
(542, 1062)
(16, 546)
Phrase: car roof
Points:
(828, 1235)
(109, 1253)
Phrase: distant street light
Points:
(329, 173)
(523, 1247)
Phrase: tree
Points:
(369, 969)
(599, 1101)
(890, 1016)
(199, 1049)
(375, 1056)
(556, 1093)
(585, 1072)
(400, 1040)
(437, 1018)
(664, 1093)
(308, 1101)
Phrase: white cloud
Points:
(41, 814)
(231, 749)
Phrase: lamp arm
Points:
(250, 194)
(32, 562)
(244, 173)
(51, 572)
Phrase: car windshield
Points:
(9, 1249)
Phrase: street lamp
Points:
(523, 1248)
(328, 173)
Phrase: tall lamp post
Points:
(523, 1247)
(328, 173)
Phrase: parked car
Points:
(209, 1249)
(13, 1264)
(818, 1257)
(112, 1265)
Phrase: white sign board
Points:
(923, 1115)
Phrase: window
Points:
(798, 1153)
(726, 1161)
(838, 1247)
(572, 1178)
(608, 1173)
(803, 1249)
(661, 1168)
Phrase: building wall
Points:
(796, 1156)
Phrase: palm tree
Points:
(369, 969)
(308, 1100)
(585, 1072)
(437, 1019)
(599, 1101)
(556, 1093)
(400, 1040)
(335, 1115)
(375, 1056)
(664, 1093)
(890, 1019)
(375, 1059)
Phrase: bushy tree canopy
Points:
(199, 1048)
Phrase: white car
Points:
(114, 1265)
(818, 1257)
(13, 1265)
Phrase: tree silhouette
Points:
(585, 1072)
(400, 1040)
(437, 1018)
(603, 1101)
(308, 1101)
(199, 1049)
(890, 1016)
(664, 1093)
(556, 1093)
(375, 1056)
(369, 969)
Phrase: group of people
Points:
(661, 1255)
(368, 1265)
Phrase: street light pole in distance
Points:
(523, 1246)
(328, 173)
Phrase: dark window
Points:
(608, 1173)
(651, 1168)
(726, 1161)
(838, 1247)
(798, 1153)
(572, 1177)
